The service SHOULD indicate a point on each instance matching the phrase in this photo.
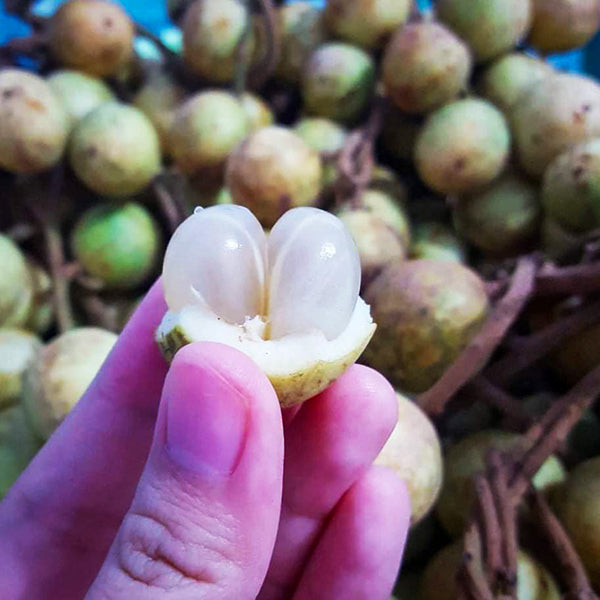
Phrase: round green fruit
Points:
(466, 458)
(16, 285)
(366, 23)
(41, 315)
(436, 241)
(212, 32)
(302, 30)
(424, 66)
(338, 82)
(258, 112)
(61, 373)
(562, 25)
(33, 123)
(571, 187)
(426, 311)
(80, 93)
(205, 130)
(94, 36)
(414, 452)
(557, 112)
(556, 241)
(490, 27)
(271, 171)
(115, 150)
(463, 146)
(505, 80)
(118, 245)
(17, 351)
(502, 219)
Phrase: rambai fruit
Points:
(257, 111)
(60, 374)
(115, 150)
(273, 170)
(94, 36)
(33, 123)
(462, 146)
(437, 241)
(424, 66)
(16, 285)
(289, 301)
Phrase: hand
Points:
(174, 485)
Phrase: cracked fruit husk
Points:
(16, 285)
(212, 32)
(561, 110)
(467, 457)
(577, 504)
(33, 123)
(117, 244)
(60, 374)
(424, 66)
(17, 351)
(502, 219)
(79, 93)
(289, 301)
(571, 188)
(93, 36)
(463, 146)
(414, 452)
(490, 27)
(115, 150)
(561, 25)
(204, 131)
(271, 171)
(338, 81)
(366, 23)
(438, 581)
(426, 312)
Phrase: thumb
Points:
(204, 518)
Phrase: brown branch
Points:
(479, 350)
(167, 205)
(471, 576)
(492, 534)
(576, 279)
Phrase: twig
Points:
(490, 525)
(471, 576)
(167, 205)
(577, 279)
(477, 353)
(263, 69)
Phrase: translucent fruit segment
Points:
(217, 258)
(314, 274)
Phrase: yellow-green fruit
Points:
(561, 25)
(490, 27)
(438, 582)
(502, 219)
(93, 36)
(436, 241)
(508, 77)
(17, 351)
(61, 373)
(366, 23)
(41, 315)
(338, 82)
(118, 245)
(571, 187)
(466, 458)
(79, 93)
(115, 150)
(205, 130)
(257, 111)
(414, 452)
(463, 146)
(18, 445)
(559, 111)
(385, 199)
(426, 312)
(302, 30)
(16, 285)
(271, 171)
(33, 123)
(158, 98)
(212, 32)
(424, 66)
(556, 241)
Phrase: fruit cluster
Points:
(464, 166)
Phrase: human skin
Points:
(171, 483)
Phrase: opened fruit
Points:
(289, 301)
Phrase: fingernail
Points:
(206, 419)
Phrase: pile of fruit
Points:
(464, 165)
